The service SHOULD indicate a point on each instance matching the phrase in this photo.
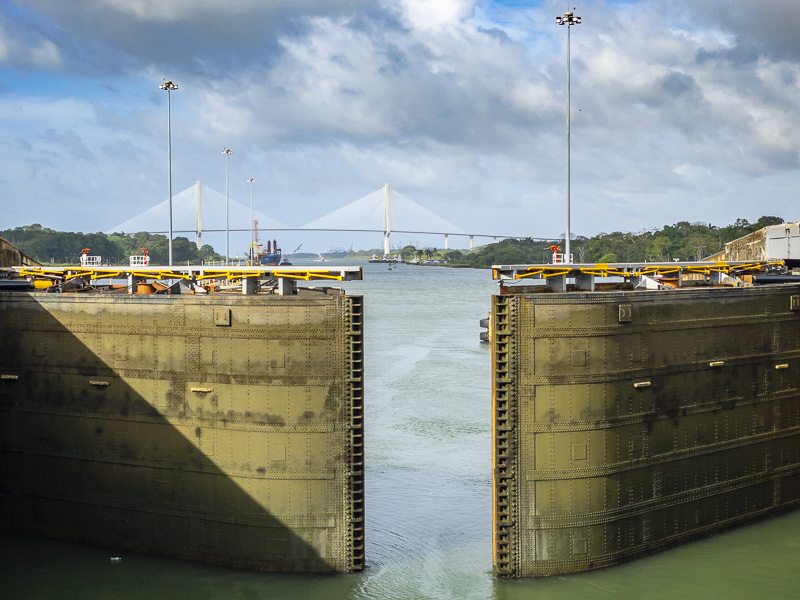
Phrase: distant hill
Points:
(683, 241)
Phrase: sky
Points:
(680, 111)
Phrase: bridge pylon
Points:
(386, 220)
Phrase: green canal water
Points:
(428, 490)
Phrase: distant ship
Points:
(270, 258)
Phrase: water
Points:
(428, 489)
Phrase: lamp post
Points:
(169, 87)
(251, 181)
(569, 20)
(227, 152)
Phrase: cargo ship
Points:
(269, 258)
(208, 414)
(640, 406)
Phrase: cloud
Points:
(26, 50)
(423, 15)
(370, 84)
(156, 11)
(68, 143)
(762, 28)
(205, 37)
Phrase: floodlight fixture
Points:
(568, 19)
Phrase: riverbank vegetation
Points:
(61, 247)
(682, 241)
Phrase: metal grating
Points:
(355, 477)
(503, 428)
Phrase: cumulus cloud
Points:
(367, 83)
(424, 16)
(206, 37)
(155, 11)
(758, 28)
(26, 50)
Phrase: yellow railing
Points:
(196, 274)
(629, 271)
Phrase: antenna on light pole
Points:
(251, 181)
(169, 87)
(569, 19)
(227, 152)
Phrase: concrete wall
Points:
(776, 242)
(225, 429)
(10, 256)
(627, 422)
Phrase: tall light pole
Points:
(252, 250)
(227, 152)
(169, 87)
(569, 20)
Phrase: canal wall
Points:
(226, 429)
(628, 422)
(10, 255)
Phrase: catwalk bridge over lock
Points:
(382, 211)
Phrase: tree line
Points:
(682, 241)
(61, 247)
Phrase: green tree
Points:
(184, 251)
(407, 251)
(767, 221)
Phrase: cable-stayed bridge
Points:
(196, 210)
(200, 209)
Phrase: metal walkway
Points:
(195, 279)
(646, 275)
